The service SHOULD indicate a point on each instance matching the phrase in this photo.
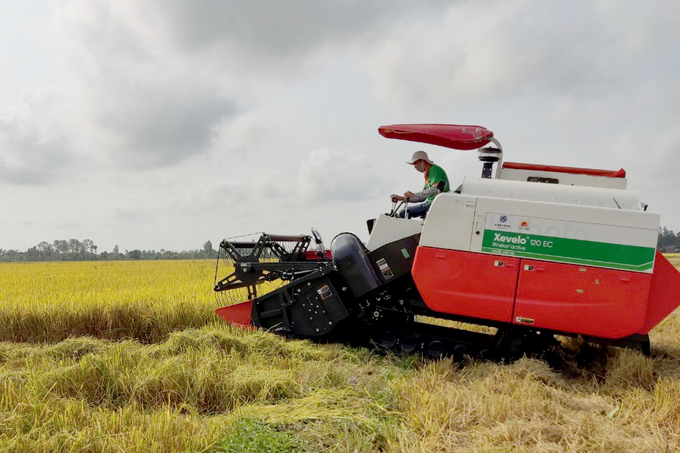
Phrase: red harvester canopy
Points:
(448, 135)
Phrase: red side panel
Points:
(573, 170)
(238, 314)
(590, 301)
(313, 255)
(466, 284)
(664, 295)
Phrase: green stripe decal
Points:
(575, 251)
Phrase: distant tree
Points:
(45, 249)
(134, 254)
(668, 241)
(208, 251)
(88, 246)
(61, 247)
(75, 249)
(32, 254)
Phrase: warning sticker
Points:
(384, 268)
(324, 292)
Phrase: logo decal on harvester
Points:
(503, 222)
(503, 238)
(566, 242)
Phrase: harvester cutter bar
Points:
(292, 266)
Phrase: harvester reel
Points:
(256, 267)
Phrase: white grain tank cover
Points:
(553, 193)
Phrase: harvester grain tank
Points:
(531, 251)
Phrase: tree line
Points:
(86, 250)
(668, 241)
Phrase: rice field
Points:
(128, 356)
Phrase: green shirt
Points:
(432, 178)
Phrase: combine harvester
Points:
(531, 251)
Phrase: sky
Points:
(162, 124)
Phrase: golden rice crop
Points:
(155, 372)
(674, 258)
(145, 300)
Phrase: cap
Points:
(418, 155)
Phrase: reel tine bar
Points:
(250, 264)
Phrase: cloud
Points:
(132, 209)
(328, 174)
(269, 29)
(156, 123)
(33, 151)
(243, 41)
(216, 196)
(496, 50)
(155, 83)
(145, 108)
(240, 136)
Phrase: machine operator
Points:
(435, 178)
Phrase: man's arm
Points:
(418, 196)
(422, 195)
